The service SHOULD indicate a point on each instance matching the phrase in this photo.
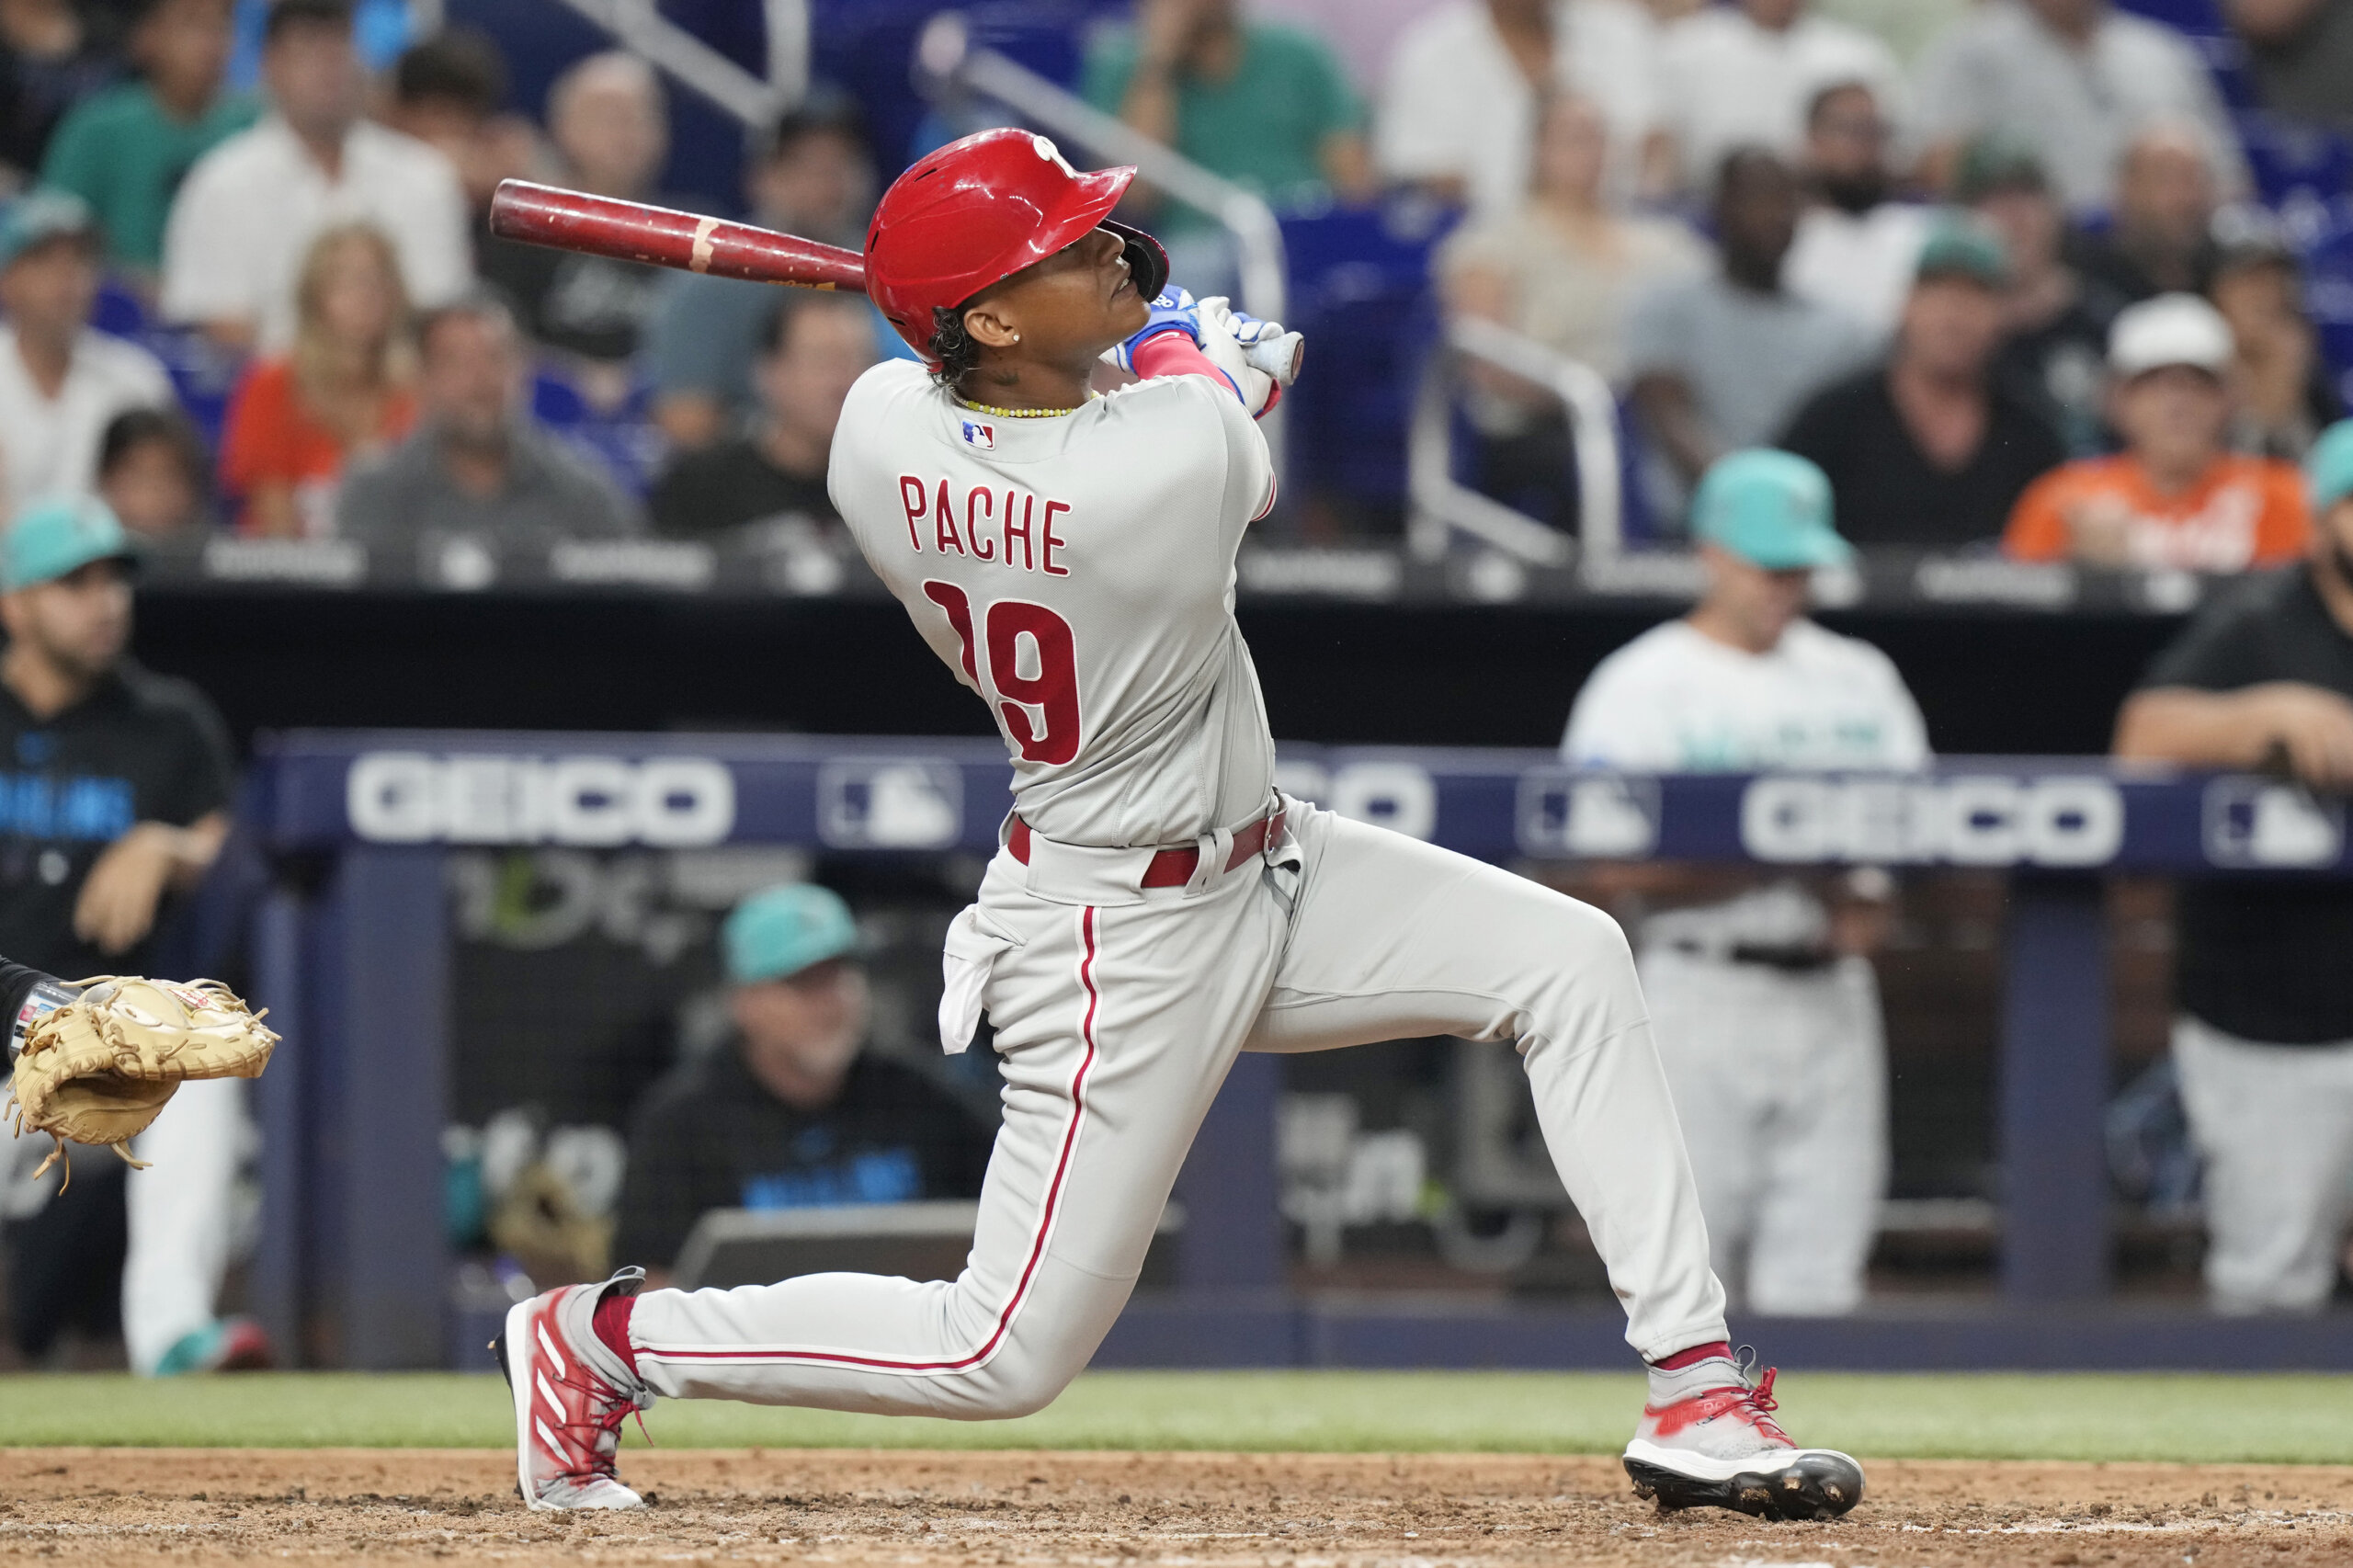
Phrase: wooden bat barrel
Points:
(631, 231)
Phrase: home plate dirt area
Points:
(132, 1506)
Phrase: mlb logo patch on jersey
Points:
(981, 435)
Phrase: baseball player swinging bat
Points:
(1157, 905)
(661, 236)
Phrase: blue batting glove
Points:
(1174, 310)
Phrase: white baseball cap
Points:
(2172, 329)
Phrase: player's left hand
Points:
(1221, 345)
(100, 1068)
(1265, 343)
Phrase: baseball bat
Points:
(535, 214)
(631, 231)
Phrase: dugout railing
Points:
(350, 951)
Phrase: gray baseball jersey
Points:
(1077, 572)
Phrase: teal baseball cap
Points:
(1771, 508)
(780, 931)
(2328, 467)
(56, 537)
(42, 215)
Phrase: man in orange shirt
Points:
(2175, 496)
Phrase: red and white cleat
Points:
(1716, 1445)
(572, 1394)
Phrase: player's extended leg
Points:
(1393, 937)
(1116, 1025)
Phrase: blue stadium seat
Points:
(2328, 300)
(1360, 291)
(623, 441)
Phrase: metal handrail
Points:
(945, 55)
(1442, 506)
(641, 29)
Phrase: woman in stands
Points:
(343, 393)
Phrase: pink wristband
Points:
(1174, 354)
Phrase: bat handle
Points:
(1279, 356)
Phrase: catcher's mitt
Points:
(98, 1069)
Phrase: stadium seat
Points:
(1360, 291)
(623, 440)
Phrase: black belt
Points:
(1789, 958)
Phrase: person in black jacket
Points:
(114, 793)
(794, 1112)
(1930, 449)
(2263, 1035)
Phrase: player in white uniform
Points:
(1157, 907)
(1766, 1012)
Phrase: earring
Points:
(1017, 337)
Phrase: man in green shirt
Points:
(124, 149)
(1267, 107)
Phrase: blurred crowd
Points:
(2004, 268)
(1994, 275)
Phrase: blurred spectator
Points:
(611, 130)
(121, 786)
(813, 349)
(1723, 359)
(1746, 74)
(341, 393)
(449, 92)
(2160, 233)
(2280, 386)
(50, 58)
(1560, 270)
(247, 212)
(2054, 357)
(2300, 54)
(813, 177)
(2263, 1039)
(2176, 496)
(60, 381)
(154, 474)
(1855, 244)
(1929, 449)
(479, 464)
(1264, 106)
(2079, 78)
(793, 1112)
(125, 150)
(1762, 998)
(1457, 116)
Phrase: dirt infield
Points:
(101, 1505)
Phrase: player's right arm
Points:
(2212, 701)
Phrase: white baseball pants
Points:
(1780, 1084)
(1118, 1013)
(183, 1217)
(2274, 1124)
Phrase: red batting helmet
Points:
(979, 211)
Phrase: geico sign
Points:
(2058, 821)
(398, 797)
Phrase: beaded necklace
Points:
(1022, 413)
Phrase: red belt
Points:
(1174, 867)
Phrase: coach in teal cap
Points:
(57, 537)
(777, 933)
(1772, 509)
